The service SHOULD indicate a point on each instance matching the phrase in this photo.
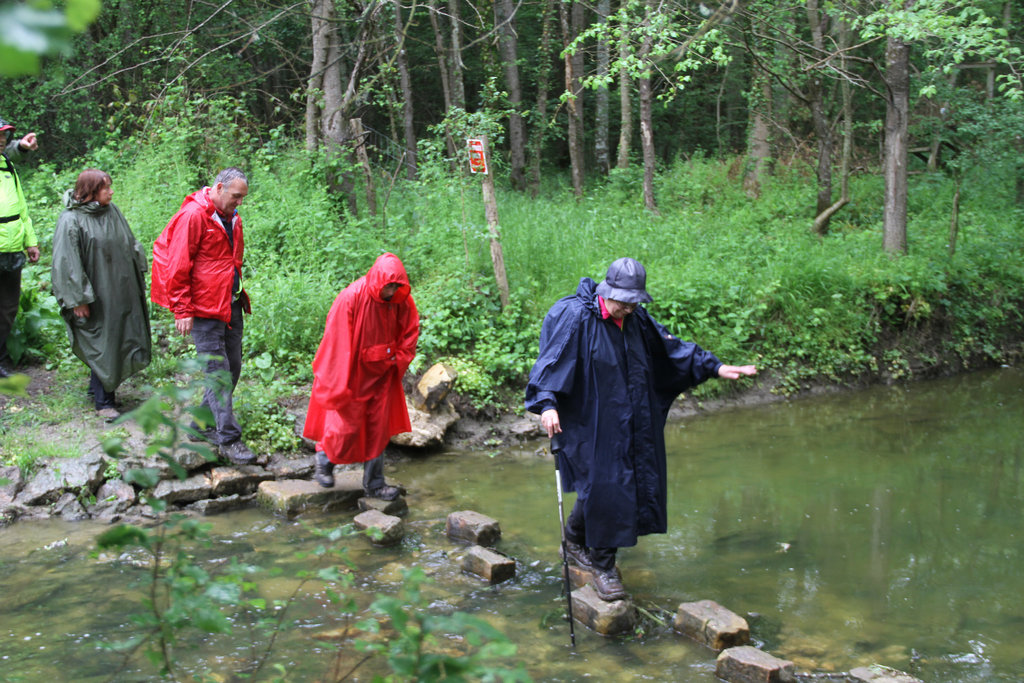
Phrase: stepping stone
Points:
(489, 564)
(183, 490)
(391, 528)
(292, 496)
(746, 664)
(240, 479)
(606, 618)
(710, 624)
(397, 507)
(877, 673)
(470, 526)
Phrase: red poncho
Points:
(357, 403)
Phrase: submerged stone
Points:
(292, 496)
(472, 527)
(876, 673)
(391, 528)
(746, 664)
(710, 624)
(489, 564)
(606, 618)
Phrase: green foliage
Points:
(420, 649)
(38, 329)
(269, 428)
(31, 29)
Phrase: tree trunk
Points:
(625, 108)
(458, 86)
(822, 129)
(575, 145)
(601, 156)
(441, 50)
(504, 13)
(954, 218)
(647, 143)
(358, 136)
(540, 111)
(321, 19)
(578, 21)
(405, 83)
(897, 77)
(491, 213)
(758, 146)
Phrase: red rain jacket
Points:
(193, 263)
(358, 403)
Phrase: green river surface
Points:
(878, 526)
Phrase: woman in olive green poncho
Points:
(100, 283)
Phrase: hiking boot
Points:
(578, 555)
(198, 435)
(384, 493)
(323, 470)
(608, 585)
(238, 453)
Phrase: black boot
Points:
(323, 470)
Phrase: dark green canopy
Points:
(97, 261)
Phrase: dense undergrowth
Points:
(744, 278)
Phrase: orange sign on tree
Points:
(477, 158)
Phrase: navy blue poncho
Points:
(613, 389)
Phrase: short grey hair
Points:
(230, 174)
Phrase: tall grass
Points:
(744, 278)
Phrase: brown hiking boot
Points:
(608, 585)
(578, 555)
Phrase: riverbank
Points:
(58, 433)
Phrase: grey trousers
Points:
(223, 342)
(10, 297)
(373, 474)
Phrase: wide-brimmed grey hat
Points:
(626, 282)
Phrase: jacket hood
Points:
(386, 269)
(202, 199)
(587, 293)
(88, 207)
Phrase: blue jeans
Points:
(224, 342)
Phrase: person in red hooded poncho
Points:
(357, 403)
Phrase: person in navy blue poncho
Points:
(604, 381)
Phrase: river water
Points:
(880, 526)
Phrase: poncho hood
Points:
(387, 269)
(92, 207)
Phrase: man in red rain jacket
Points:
(197, 266)
(358, 402)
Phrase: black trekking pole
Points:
(555, 450)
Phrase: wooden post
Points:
(359, 140)
(491, 212)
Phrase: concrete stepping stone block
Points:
(489, 564)
(710, 624)
(183, 490)
(292, 496)
(472, 527)
(746, 664)
(880, 674)
(237, 479)
(397, 507)
(392, 529)
(606, 618)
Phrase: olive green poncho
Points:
(97, 261)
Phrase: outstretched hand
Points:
(736, 371)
